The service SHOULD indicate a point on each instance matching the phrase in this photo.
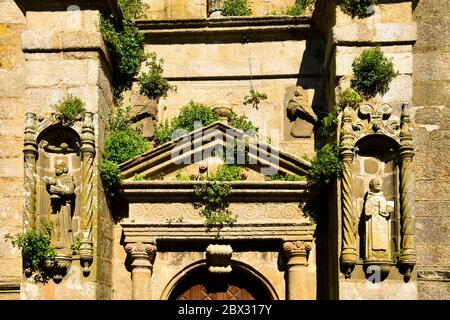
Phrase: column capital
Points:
(139, 248)
(297, 251)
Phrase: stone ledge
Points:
(433, 275)
(381, 33)
(153, 232)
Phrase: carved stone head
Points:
(376, 184)
(61, 168)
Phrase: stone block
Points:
(432, 66)
(40, 100)
(433, 230)
(432, 209)
(9, 168)
(431, 93)
(402, 57)
(396, 12)
(434, 255)
(12, 108)
(55, 73)
(432, 190)
(376, 32)
(88, 94)
(10, 147)
(12, 84)
(10, 12)
(11, 187)
(434, 290)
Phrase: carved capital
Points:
(297, 251)
(141, 254)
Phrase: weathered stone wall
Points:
(197, 9)
(44, 57)
(12, 114)
(431, 100)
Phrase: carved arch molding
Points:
(59, 187)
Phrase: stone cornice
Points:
(156, 190)
(225, 26)
(135, 233)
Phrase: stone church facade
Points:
(386, 235)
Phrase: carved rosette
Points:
(376, 120)
(348, 254)
(407, 194)
(30, 152)
(218, 258)
(297, 252)
(141, 254)
(87, 191)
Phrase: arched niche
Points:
(376, 157)
(196, 282)
(58, 144)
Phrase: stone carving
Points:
(61, 189)
(215, 8)
(376, 119)
(377, 212)
(348, 254)
(87, 191)
(30, 155)
(301, 114)
(218, 258)
(141, 256)
(144, 116)
(296, 248)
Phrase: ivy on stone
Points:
(357, 8)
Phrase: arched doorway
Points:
(203, 285)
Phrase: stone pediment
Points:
(195, 154)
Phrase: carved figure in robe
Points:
(301, 114)
(377, 212)
(61, 189)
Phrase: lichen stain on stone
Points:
(7, 45)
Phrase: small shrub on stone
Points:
(357, 8)
(373, 73)
(70, 108)
(236, 8)
(255, 98)
(152, 83)
(349, 97)
(299, 7)
(285, 177)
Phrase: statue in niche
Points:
(62, 190)
(301, 115)
(377, 213)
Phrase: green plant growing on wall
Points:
(139, 177)
(152, 83)
(285, 177)
(126, 46)
(70, 108)
(236, 8)
(373, 73)
(75, 247)
(133, 9)
(200, 113)
(349, 97)
(357, 8)
(35, 247)
(212, 197)
(300, 7)
(255, 98)
(122, 144)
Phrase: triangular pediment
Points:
(195, 153)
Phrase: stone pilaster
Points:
(297, 279)
(142, 256)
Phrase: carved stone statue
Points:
(61, 189)
(377, 212)
(301, 114)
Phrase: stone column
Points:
(297, 278)
(87, 191)
(142, 256)
(30, 154)
(348, 254)
(407, 194)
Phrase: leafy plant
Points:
(373, 73)
(192, 113)
(299, 7)
(71, 108)
(328, 124)
(133, 9)
(36, 248)
(111, 175)
(153, 84)
(325, 167)
(126, 46)
(286, 177)
(236, 8)
(357, 8)
(397, 256)
(75, 247)
(139, 177)
(212, 198)
(349, 97)
(255, 98)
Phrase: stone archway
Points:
(199, 284)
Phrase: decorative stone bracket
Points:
(370, 120)
(218, 258)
